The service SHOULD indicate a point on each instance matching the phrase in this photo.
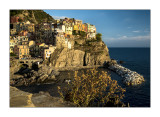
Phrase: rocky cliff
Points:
(80, 55)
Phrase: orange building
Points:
(23, 33)
(84, 28)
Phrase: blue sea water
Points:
(136, 59)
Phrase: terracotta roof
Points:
(38, 43)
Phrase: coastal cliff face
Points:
(80, 55)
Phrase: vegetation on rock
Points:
(81, 33)
(38, 16)
(99, 37)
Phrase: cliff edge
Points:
(83, 53)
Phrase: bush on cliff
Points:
(99, 37)
(93, 89)
(81, 33)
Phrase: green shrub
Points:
(92, 89)
(99, 37)
(12, 54)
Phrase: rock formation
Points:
(26, 77)
(80, 55)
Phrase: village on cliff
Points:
(29, 40)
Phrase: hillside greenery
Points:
(40, 15)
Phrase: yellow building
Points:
(78, 22)
(12, 44)
(22, 51)
(75, 27)
(68, 30)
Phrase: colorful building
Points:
(61, 27)
(48, 52)
(12, 44)
(68, 30)
(23, 33)
(14, 19)
(59, 38)
(85, 27)
(22, 51)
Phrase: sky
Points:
(119, 28)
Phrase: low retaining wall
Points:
(76, 68)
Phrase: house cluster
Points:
(40, 40)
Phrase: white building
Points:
(48, 51)
(68, 30)
(61, 27)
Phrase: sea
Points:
(135, 59)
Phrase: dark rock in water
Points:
(113, 61)
(109, 63)
(121, 62)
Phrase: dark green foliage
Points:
(15, 12)
(81, 33)
(39, 15)
(76, 43)
(74, 32)
(12, 54)
(20, 20)
(99, 37)
(11, 26)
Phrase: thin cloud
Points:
(59, 17)
(136, 31)
(139, 38)
(129, 27)
(124, 37)
(135, 38)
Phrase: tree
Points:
(99, 37)
(92, 89)
(74, 32)
(82, 34)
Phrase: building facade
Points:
(22, 51)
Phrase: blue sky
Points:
(120, 28)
